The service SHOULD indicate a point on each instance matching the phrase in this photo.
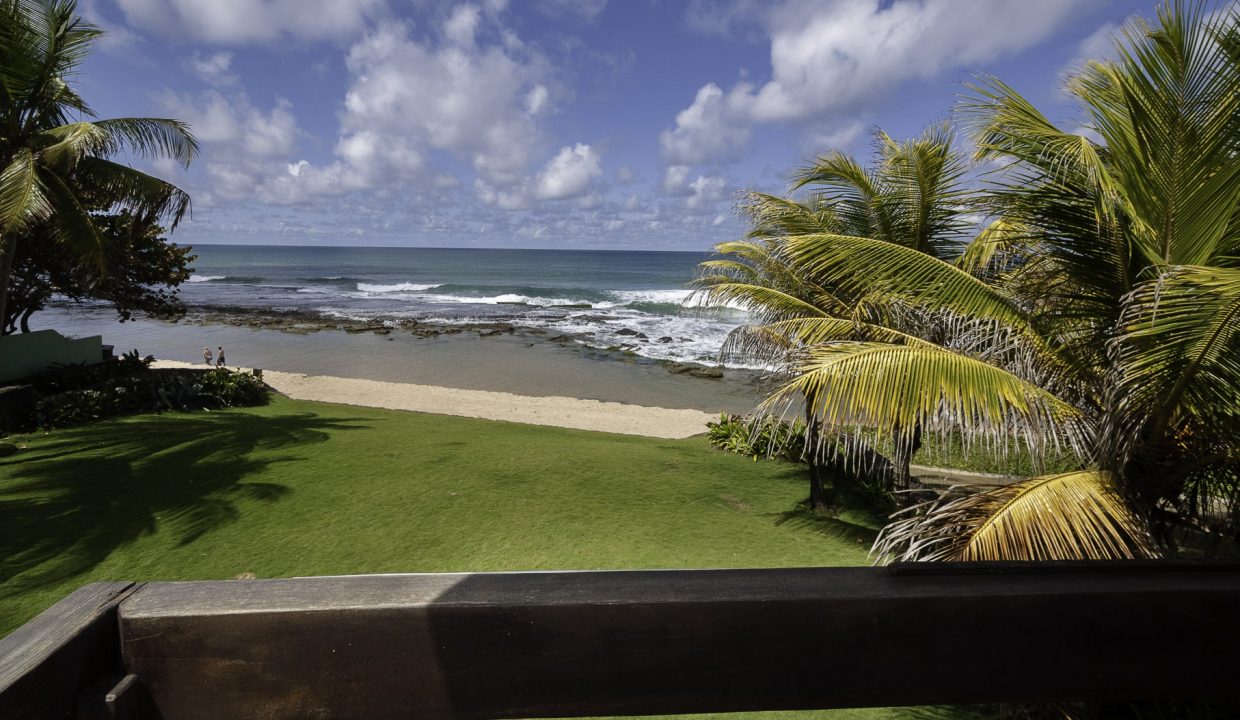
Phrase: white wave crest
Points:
(205, 278)
(398, 287)
(510, 299)
(652, 296)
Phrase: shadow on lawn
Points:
(102, 486)
(834, 527)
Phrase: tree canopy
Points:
(52, 147)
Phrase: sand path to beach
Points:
(565, 412)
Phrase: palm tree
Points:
(913, 197)
(55, 165)
(1101, 313)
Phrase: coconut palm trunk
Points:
(818, 498)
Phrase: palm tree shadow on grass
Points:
(856, 519)
(836, 528)
(65, 510)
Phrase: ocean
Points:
(600, 297)
(602, 303)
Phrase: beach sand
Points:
(566, 412)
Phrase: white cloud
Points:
(1098, 45)
(584, 9)
(835, 138)
(705, 192)
(569, 174)
(214, 69)
(705, 131)
(249, 21)
(219, 119)
(461, 25)
(675, 180)
(834, 59)
(477, 103)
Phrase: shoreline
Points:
(306, 322)
(554, 411)
(494, 357)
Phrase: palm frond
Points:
(1070, 516)
(116, 184)
(994, 240)
(22, 194)
(810, 331)
(773, 216)
(759, 300)
(152, 137)
(1178, 355)
(72, 224)
(864, 265)
(890, 388)
(66, 144)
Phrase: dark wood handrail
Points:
(556, 644)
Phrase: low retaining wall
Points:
(28, 354)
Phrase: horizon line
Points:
(437, 247)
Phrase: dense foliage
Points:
(141, 272)
(1097, 312)
(54, 166)
(152, 390)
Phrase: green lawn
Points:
(300, 488)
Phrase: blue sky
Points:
(592, 124)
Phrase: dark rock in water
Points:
(665, 339)
(626, 331)
(711, 372)
(560, 339)
(678, 368)
(575, 306)
(641, 336)
(384, 331)
(490, 333)
(7, 449)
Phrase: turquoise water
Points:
(597, 295)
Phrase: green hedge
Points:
(151, 390)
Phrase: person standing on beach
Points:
(219, 359)
(206, 355)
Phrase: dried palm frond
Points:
(1069, 516)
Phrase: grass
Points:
(299, 488)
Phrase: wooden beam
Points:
(625, 643)
(51, 660)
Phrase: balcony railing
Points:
(557, 644)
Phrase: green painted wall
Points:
(26, 354)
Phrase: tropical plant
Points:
(141, 271)
(49, 153)
(913, 197)
(1100, 313)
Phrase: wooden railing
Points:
(558, 644)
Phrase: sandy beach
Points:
(566, 412)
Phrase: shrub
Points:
(152, 390)
(765, 437)
(77, 376)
